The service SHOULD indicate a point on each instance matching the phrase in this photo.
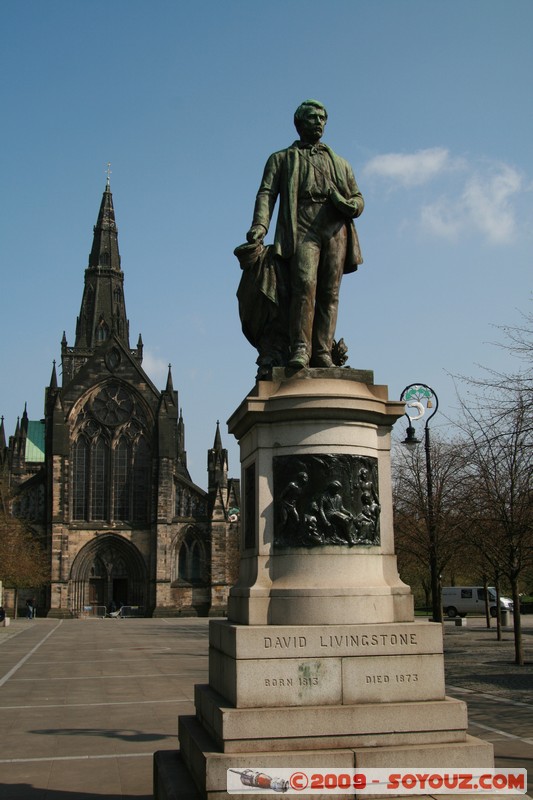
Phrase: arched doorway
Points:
(109, 571)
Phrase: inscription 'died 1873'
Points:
(398, 677)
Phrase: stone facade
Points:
(104, 479)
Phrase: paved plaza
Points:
(85, 703)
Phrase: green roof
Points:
(35, 442)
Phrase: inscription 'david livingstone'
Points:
(352, 640)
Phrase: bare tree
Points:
(500, 388)
(497, 506)
(498, 424)
(23, 562)
(412, 514)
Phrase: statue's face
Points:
(311, 125)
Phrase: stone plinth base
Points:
(312, 605)
(299, 437)
(240, 730)
(320, 663)
(173, 781)
(200, 764)
(320, 696)
(325, 665)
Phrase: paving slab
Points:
(84, 704)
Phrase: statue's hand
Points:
(256, 234)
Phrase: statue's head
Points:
(310, 120)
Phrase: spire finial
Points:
(217, 444)
(108, 171)
(170, 387)
(53, 378)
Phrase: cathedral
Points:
(103, 478)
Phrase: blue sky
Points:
(429, 101)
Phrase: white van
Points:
(464, 599)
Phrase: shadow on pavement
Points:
(119, 733)
(23, 791)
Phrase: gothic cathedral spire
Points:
(103, 310)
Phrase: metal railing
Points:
(125, 612)
(101, 612)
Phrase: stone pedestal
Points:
(320, 663)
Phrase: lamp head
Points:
(411, 440)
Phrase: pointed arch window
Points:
(80, 473)
(99, 480)
(111, 470)
(191, 559)
(121, 480)
(182, 562)
(141, 480)
(102, 331)
(195, 562)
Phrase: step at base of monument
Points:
(208, 766)
(241, 730)
(172, 781)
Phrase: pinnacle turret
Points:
(217, 463)
(182, 453)
(2, 439)
(24, 420)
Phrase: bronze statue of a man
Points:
(315, 234)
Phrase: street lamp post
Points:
(421, 396)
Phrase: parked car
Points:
(460, 600)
